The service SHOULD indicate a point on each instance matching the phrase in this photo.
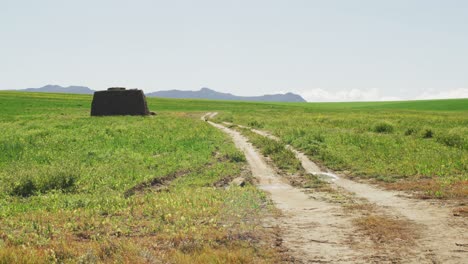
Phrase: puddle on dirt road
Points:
(327, 176)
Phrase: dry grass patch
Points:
(431, 188)
(365, 208)
(258, 246)
(461, 211)
(383, 230)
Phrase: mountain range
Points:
(206, 93)
(59, 89)
(203, 93)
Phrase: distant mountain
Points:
(206, 93)
(59, 89)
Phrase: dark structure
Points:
(119, 101)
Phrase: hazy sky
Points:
(324, 50)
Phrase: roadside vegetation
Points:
(284, 160)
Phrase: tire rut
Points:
(314, 231)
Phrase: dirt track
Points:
(317, 229)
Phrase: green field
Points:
(80, 188)
(74, 187)
(420, 145)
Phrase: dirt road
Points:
(318, 229)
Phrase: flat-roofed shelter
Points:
(119, 101)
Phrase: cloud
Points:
(321, 95)
(454, 93)
(356, 95)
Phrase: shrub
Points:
(383, 127)
(255, 124)
(319, 138)
(62, 180)
(29, 184)
(410, 131)
(11, 149)
(297, 132)
(227, 118)
(313, 147)
(454, 138)
(236, 156)
(428, 133)
(24, 187)
(272, 147)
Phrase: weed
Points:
(63, 181)
(88, 258)
(456, 137)
(314, 182)
(11, 149)
(283, 158)
(227, 118)
(314, 147)
(38, 181)
(427, 133)
(383, 127)
(410, 131)
(24, 187)
(255, 124)
(236, 156)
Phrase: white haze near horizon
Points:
(337, 50)
(354, 95)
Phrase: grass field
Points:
(76, 188)
(420, 146)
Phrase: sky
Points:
(329, 50)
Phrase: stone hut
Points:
(119, 101)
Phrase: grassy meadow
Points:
(420, 146)
(75, 188)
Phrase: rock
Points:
(239, 181)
